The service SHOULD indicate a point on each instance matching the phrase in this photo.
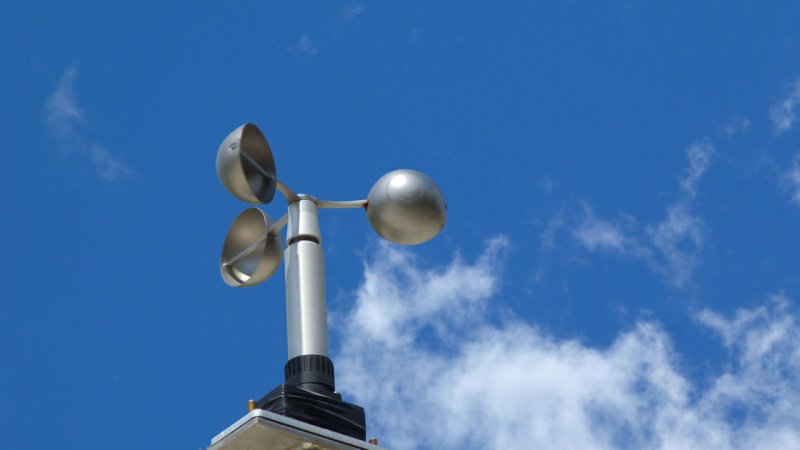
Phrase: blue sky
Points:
(619, 267)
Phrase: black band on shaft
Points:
(309, 369)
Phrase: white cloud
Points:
(598, 234)
(108, 166)
(306, 45)
(699, 155)
(547, 244)
(418, 352)
(547, 184)
(411, 296)
(670, 247)
(782, 113)
(737, 124)
(678, 240)
(792, 179)
(61, 108)
(352, 12)
(65, 119)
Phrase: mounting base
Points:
(264, 430)
(317, 405)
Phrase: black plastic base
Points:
(308, 396)
(326, 411)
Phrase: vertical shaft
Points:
(306, 312)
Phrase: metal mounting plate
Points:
(263, 430)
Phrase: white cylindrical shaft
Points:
(306, 311)
(303, 222)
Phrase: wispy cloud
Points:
(671, 246)
(678, 239)
(547, 244)
(782, 113)
(66, 122)
(699, 155)
(598, 234)
(306, 45)
(351, 12)
(61, 109)
(547, 184)
(791, 179)
(434, 372)
(735, 125)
